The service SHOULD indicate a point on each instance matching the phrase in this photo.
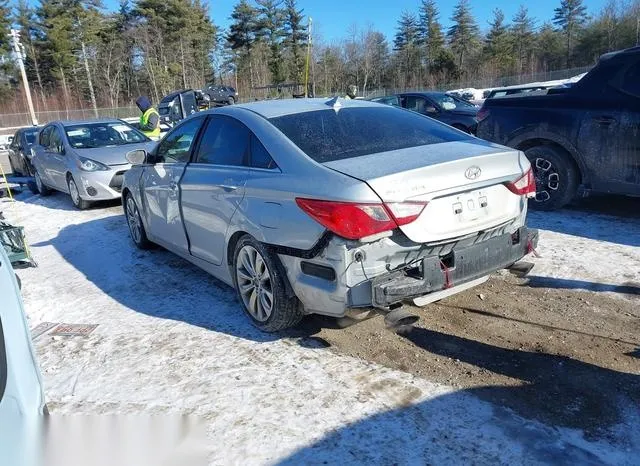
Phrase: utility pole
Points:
(306, 68)
(18, 49)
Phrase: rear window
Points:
(328, 135)
(30, 136)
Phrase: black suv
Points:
(579, 139)
(221, 95)
(437, 105)
(20, 151)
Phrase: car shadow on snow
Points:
(629, 288)
(599, 407)
(58, 201)
(156, 283)
(614, 219)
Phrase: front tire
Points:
(556, 177)
(136, 227)
(260, 284)
(74, 192)
(231, 101)
(42, 188)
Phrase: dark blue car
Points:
(437, 105)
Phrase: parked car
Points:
(579, 139)
(85, 158)
(177, 106)
(20, 151)
(440, 106)
(221, 95)
(22, 399)
(313, 206)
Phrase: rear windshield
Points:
(94, 135)
(328, 135)
(30, 136)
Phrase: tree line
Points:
(77, 53)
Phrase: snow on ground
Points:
(589, 251)
(170, 338)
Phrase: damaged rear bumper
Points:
(461, 265)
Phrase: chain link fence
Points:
(12, 120)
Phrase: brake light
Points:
(482, 114)
(353, 220)
(524, 186)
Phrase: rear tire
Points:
(134, 221)
(74, 192)
(259, 280)
(556, 177)
(42, 188)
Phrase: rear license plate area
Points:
(471, 206)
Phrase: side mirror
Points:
(431, 109)
(137, 157)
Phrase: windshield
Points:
(449, 102)
(94, 135)
(329, 135)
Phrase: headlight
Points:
(89, 165)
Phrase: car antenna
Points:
(335, 103)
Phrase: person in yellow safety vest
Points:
(352, 91)
(150, 118)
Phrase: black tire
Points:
(14, 170)
(286, 311)
(556, 177)
(134, 220)
(231, 101)
(42, 188)
(76, 199)
(33, 187)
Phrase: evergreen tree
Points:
(7, 68)
(406, 44)
(569, 17)
(498, 45)
(550, 54)
(522, 30)
(271, 30)
(464, 34)
(295, 39)
(430, 32)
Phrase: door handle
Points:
(228, 187)
(605, 120)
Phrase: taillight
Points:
(354, 220)
(524, 186)
(482, 114)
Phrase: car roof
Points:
(66, 123)
(281, 107)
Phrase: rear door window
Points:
(328, 135)
(225, 141)
(260, 157)
(631, 81)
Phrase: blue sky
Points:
(333, 17)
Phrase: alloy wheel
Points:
(547, 179)
(254, 283)
(73, 191)
(133, 219)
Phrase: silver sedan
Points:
(315, 206)
(86, 159)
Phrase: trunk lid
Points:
(462, 181)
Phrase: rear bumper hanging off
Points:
(462, 265)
